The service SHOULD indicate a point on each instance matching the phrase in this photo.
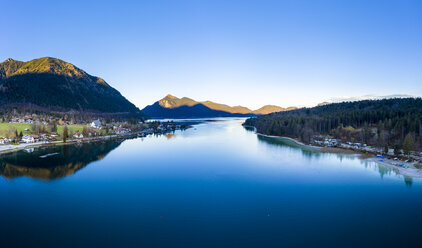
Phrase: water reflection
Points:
(408, 181)
(54, 162)
(307, 151)
(313, 153)
(59, 161)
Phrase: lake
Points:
(214, 185)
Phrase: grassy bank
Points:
(20, 127)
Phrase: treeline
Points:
(381, 123)
(7, 112)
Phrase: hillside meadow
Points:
(20, 127)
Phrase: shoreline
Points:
(291, 139)
(411, 171)
(14, 148)
(390, 163)
(9, 148)
(284, 137)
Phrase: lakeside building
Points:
(28, 139)
(96, 124)
(78, 135)
(4, 140)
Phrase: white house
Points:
(28, 139)
(96, 124)
(78, 135)
(4, 140)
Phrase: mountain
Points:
(369, 97)
(195, 111)
(323, 103)
(173, 107)
(227, 108)
(268, 109)
(53, 84)
(173, 102)
(365, 97)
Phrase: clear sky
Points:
(251, 53)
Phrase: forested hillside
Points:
(52, 84)
(390, 122)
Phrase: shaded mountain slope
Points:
(56, 85)
(268, 109)
(195, 111)
(173, 107)
(227, 108)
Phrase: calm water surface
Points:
(215, 185)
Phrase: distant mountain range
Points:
(53, 84)
(368, 97)
(173, 107)
(362, 98)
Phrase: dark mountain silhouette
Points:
(195, 111)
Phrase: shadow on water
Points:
(52, 162)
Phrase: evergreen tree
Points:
(65, 134)
(397, 151)
(408, 144)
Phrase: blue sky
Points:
(251, 53)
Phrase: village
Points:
(387, 156)
(33, 130)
